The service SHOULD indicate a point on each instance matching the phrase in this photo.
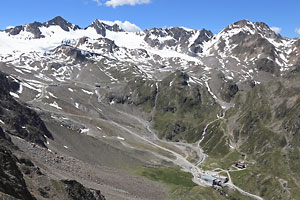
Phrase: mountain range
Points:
(84, 110)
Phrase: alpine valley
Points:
(165, 113)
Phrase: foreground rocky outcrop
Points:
(12, 181)
(76, 190)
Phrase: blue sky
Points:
(212, 15)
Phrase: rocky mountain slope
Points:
(18, 173)
(119, 105)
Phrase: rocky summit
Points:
(163, 113)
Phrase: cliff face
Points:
(19, 119)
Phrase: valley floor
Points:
(110, 142)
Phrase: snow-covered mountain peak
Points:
(247, 40)
(28, 31)
(180, 39)
(34, 30)
(62, 23)
(248, 27)
(243, 46)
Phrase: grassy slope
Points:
(265, 121)
(179, 184)
(263, 124)
(180, 109)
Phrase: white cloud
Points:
(98, 2)
(126, 26)
(297, 30)
(9, 27)
(276, 29)
(115, 3)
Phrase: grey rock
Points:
(64, 24)
(101, 27)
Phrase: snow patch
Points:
(120, 138)
(14, 95)
(85, 130)
(210, 92)
(20, 89)
(55, 105)
(171, 83)
(52, 95)
(87, 92)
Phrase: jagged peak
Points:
(169, 29)
(96, 21)
(64, 24)
(34, 28)
(107, 25)
(242, 24)
(177, 28)
(101, 27)
(252, 28)
(180, 39)
(57, 19)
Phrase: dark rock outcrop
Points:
(12, 182)
(296, 67)
(177, 38)
(74, 53)
(64, 24)
(77, 191)
(15, 30)
(21, 120)
(106, 45)
(267, 65)
(34, 28)
(101, 27)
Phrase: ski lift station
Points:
(208, 179)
